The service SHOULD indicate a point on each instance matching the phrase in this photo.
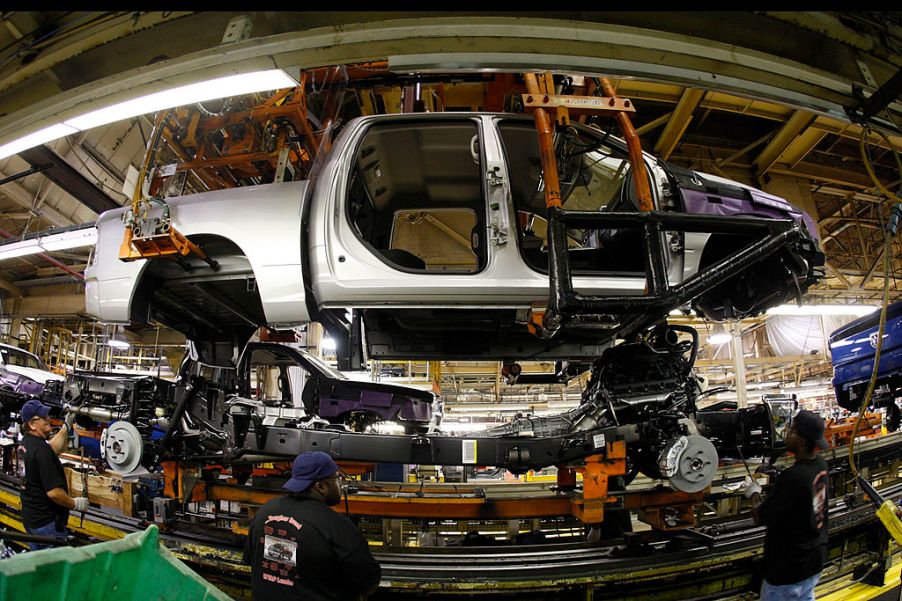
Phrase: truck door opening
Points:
(594, 175)
(416, 197)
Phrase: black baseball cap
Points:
(810, 426)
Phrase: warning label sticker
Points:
(469, 450)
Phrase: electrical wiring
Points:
(862, 144)
(887, 252)
(866, 400)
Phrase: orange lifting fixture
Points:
(150, 236)
(540, 99)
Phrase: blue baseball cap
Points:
(308, 468)
(33, 408)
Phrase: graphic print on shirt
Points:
(819, 499)
(280, 549)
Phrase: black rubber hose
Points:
(694, 333)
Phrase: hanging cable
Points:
(862, 144)
(866, 400)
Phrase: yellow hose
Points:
(887, 251)
(867, 161)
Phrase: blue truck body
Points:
(852, 349)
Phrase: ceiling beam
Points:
(799, 148)
(653, 124)
(797, 123)
(835, 273)
(69, 179)
(10, 287)
(823, 173)
(877, 263)
(678, 123)
(24, 198)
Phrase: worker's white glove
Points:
(69, 420)
(81, 504)
(749, 488)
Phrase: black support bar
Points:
(566, 304)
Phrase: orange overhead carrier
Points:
(541, 99)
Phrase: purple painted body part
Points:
(765, 205)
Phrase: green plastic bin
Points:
(135, 568)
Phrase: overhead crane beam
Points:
(69, 179)
(677, 124)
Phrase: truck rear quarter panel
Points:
(263, 221)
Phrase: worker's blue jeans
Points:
(799, 591)
(48, 530)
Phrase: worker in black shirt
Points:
(45, 497)
(299, 548)
(795, 513)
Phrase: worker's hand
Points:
(69, 420)
(749, 488)
(81, 504)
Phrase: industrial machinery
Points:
(452, 235)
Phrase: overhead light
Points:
(856, 310)
(719, 338)
(19, 249)
(37, 138)
(72, 238)
(117, 340)
(221, 87)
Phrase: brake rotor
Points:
(689, 463)
(121, 446)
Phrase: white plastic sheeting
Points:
(793, 335)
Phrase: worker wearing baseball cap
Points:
(299, 548)
(45, 497)
(795, 513)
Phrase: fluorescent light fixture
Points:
(117, 340)
(71, 239)
(19, 249)
(221, 87)
(36, 139)
(856, 310)
(86, 236)
(719, 338)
